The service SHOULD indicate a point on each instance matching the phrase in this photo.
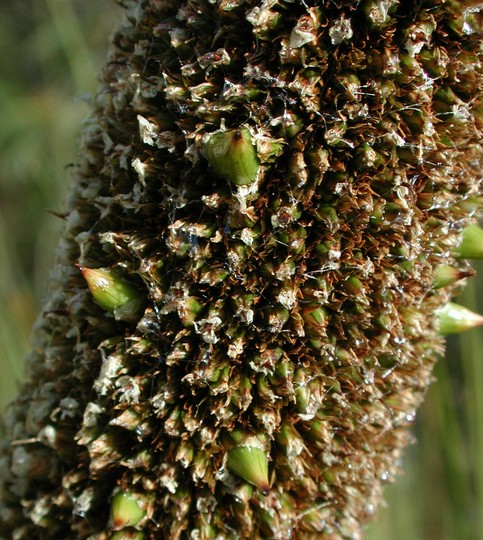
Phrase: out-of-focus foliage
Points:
(55, 50)
(440, 494)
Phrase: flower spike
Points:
(447, 275)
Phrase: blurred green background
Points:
(52, 52)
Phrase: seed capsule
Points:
(447, 275)
(353, 285)
(315, 319)
(189, 311)
(126, 510)
(112, 293)
(232, 155)
(251, 464)
(471, 246)
(454, 319)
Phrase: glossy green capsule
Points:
(447, 275)
(471, 246)
(232, 155)
(112, 293)
(251, 464)
(126, 510)
(454, 319)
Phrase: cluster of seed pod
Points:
(268, 212)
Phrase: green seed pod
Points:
(189, 311)
(315, 319)
(251, 464)
(126, 510)
(112, 293)
(232, 155)
(454, 319)
(471, 246)
(447, 275)
(353, 285)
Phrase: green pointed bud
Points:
(471, 246)
(112, 293)
(446, 95)
(454, 319)
(377, 215)
(281, 373)
(251, 464)
(302, 399)
(129, 419)
(126, 510)
(128, 534)
(447, 275)
(242, 398)
(315, 318)
(294, 239)
(465, 22)
(319, 430)
(294, 125)
(232, 155)
(353, 285)
(328, 215)
(276, 318)
(189, 311)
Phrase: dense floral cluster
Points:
(264, 195)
